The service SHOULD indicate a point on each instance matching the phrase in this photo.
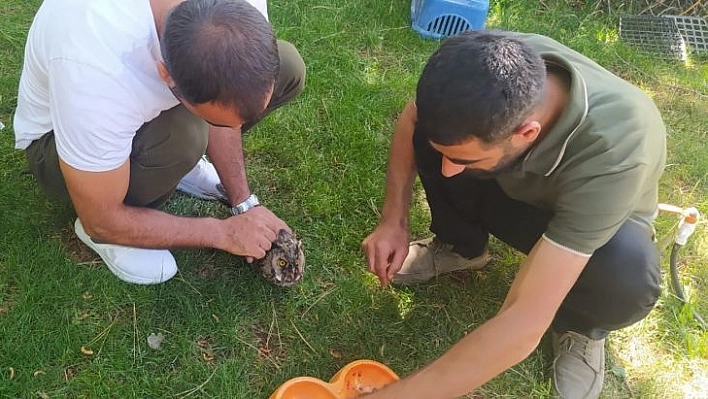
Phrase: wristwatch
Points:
(248, 203)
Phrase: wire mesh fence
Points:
(697, 8)
(670, 28)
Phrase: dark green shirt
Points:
(600, 164)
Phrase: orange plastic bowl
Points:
(304, 388)
(356, 378)
(360, 377)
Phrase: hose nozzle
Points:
(689, 219)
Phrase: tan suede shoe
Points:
(430, 258)
(579, 366)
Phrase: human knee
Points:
(633, 276)
(291, 78)
(640, 289)
(192, 151)
(187, 141)
(43, 163)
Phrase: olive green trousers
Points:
(165, 148)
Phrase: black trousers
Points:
(618, 287)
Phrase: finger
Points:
(381, 264)
(276, 223)
(282, 226)
(397, 259)
(370, 259)
(258, 254)
(266, 244)
(395, 263)
(385, 277)
(273, 223)
(249, 259)
(367, 254)
(270, 233)
(385, 281)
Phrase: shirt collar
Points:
(546, 155)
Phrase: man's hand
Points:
(252, 233)
(543, 281)
(386, 249)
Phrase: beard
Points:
(508, 162)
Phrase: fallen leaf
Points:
(84, 314)
(38, 373)
(86, 351)
(215, 317)
(264, 352)
(335, 353)
(69, 373)
(203, 342)
(204, 345)
(12, 373)
(155, 340)
(87, 295)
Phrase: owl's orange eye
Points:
(282, 263)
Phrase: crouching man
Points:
(519, 136)
(120, 100)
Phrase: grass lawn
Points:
(69, 328)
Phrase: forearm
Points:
(225, 151)
(539, 288)
(497, 345)
(98, 198)
(151, 228)
(401, 170)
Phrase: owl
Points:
(284, 263)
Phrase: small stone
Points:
(155, 340)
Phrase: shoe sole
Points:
(118, 272)
(194, 191)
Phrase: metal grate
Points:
(448, 25)
(694, 31)
(667, 35)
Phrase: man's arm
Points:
(225, 151)
(401, 170)
(98, 200)
(543, 281)
(387, 247)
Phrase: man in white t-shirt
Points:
(119, 101)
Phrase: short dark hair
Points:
(221, 51)
(478, 84)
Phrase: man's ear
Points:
(164, 73)
(528, 131)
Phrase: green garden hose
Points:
(689, 219)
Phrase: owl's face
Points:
(284, 263)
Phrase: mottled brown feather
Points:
(284, 263)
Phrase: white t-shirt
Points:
(90, 75)
(261, 5)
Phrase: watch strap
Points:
(247, 204)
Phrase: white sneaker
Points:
(133, 265)
(202, 182)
